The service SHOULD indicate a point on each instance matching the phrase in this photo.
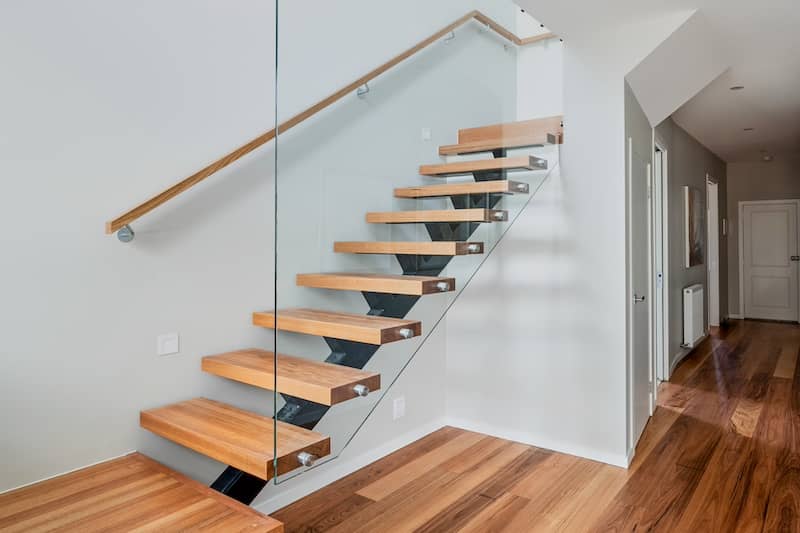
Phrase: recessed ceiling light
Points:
(737, 87)
(749, 129)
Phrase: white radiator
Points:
(693, 315)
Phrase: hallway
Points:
(721, 453)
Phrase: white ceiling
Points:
(761, 41)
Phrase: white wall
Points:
(557, 283)
(104, 104)
(756, 180)
(688, 162)
(540, 72)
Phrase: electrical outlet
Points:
(168, 344)
(426, 134)
(399, 408)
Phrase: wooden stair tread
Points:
(484, 165)
(131, 493)
(347, 326)
(457, 189)
(233, 436)
(316, 381)
(522, 134)
(409, 247)
(381, 283)
(437, 215)
(502, 143)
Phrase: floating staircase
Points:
(246, 440)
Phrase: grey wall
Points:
(776, 180)
(688, 163)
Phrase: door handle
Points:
(638, 299)
(795, 258)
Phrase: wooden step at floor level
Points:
(131, 493)
(380, 283)
(437, 215)
(459, 189)
(316, 381)
(522, 134)
(235, 437)
(451, 248)
(484, 165)
(368, 329)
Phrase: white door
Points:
(769, 259)
(640, 364)
(712, 193)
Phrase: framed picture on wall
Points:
(694, 226)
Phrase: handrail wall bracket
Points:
(126, 233)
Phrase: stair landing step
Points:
(316, 381)
(522, 134)
(239, 438)
(451, 248)
(437, 215)
(458, 189)
(132, 493)
(484, 165)
(380, 283)
(368, 329)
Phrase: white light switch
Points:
(399, 408)
(426, 134)
(168, 344)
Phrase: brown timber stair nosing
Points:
(446, 248)
(437, 215)
(459, 189)
(484, 165)
(380, 283)
(368, 329)
(233, 436)
(316, 381)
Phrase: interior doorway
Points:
(768, 259)
(712, 203)
(660, 260)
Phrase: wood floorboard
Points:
(721, 453)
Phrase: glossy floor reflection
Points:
(721, 453)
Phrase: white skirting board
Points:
(682, 354)
(539, 441)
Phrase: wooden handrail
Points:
(147, 206)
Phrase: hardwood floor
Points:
(132, 493)
(721, 453)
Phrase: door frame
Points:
(711, 182)
(661, 353)
(633, 439)
(740, 259)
